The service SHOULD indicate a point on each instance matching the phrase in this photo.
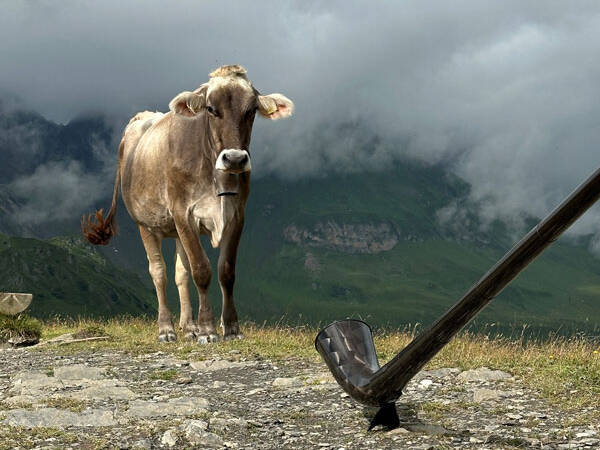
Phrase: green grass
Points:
(166, 375)
(21, 437)
(70, 404)
(20, 325)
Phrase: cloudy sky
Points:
(506, 92)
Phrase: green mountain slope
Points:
(367, 244)
(370, 245)
(68, 278)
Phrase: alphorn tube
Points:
(347, 345)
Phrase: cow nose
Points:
(233, 161)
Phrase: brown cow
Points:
(187, 173)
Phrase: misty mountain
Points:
(28, 141)
(395, 244)
(49, 171)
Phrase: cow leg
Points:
(199, 266)
(152, 242)
(182, 277)
(227, 260)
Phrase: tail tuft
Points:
(99, 231)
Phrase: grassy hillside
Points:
(427, 270)
(366, 244)
(417, 282)
(68, 278)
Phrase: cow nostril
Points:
(244, 159)
(225, 157)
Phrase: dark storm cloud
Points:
(507, 91)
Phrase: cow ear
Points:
(275, 106)
(187, 103)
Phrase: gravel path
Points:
(114, 400)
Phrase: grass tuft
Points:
(89, 330)
(166, 375)
(65, 403)
(20, 325)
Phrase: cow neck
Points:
(213, 155)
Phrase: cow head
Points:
(228, 104)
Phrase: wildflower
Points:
(551, 356)
(595, 352)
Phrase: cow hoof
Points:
(167, 336)
(208, 338)
(190, 336)
(233, 337)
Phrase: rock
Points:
(206, 440)
(422, 447)
(344, 237)
(61, 338)
(19, 400)
(23, 341)
(12, 303)
(425, 428)
(586, 434)
(78, 372)
(142, 443)
(174, 406)
(399, 430)
(34, 381)
(169, 438)
(191, 426)
(52, 417)
(218, 364)
(425, 384)
(483, 374)
(483, 395)
(439, 373)
(196, 431)
(222, 425)
(321, 378)
(287, 382)
(104, 392)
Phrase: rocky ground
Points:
(109, 399)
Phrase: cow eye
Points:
(211, 110)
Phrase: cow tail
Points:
(99, 230)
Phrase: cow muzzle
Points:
(230, 165)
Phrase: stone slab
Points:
(172, 407)
(52, 417)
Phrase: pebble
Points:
(169, 438)
(483, 395)
(287, 382)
